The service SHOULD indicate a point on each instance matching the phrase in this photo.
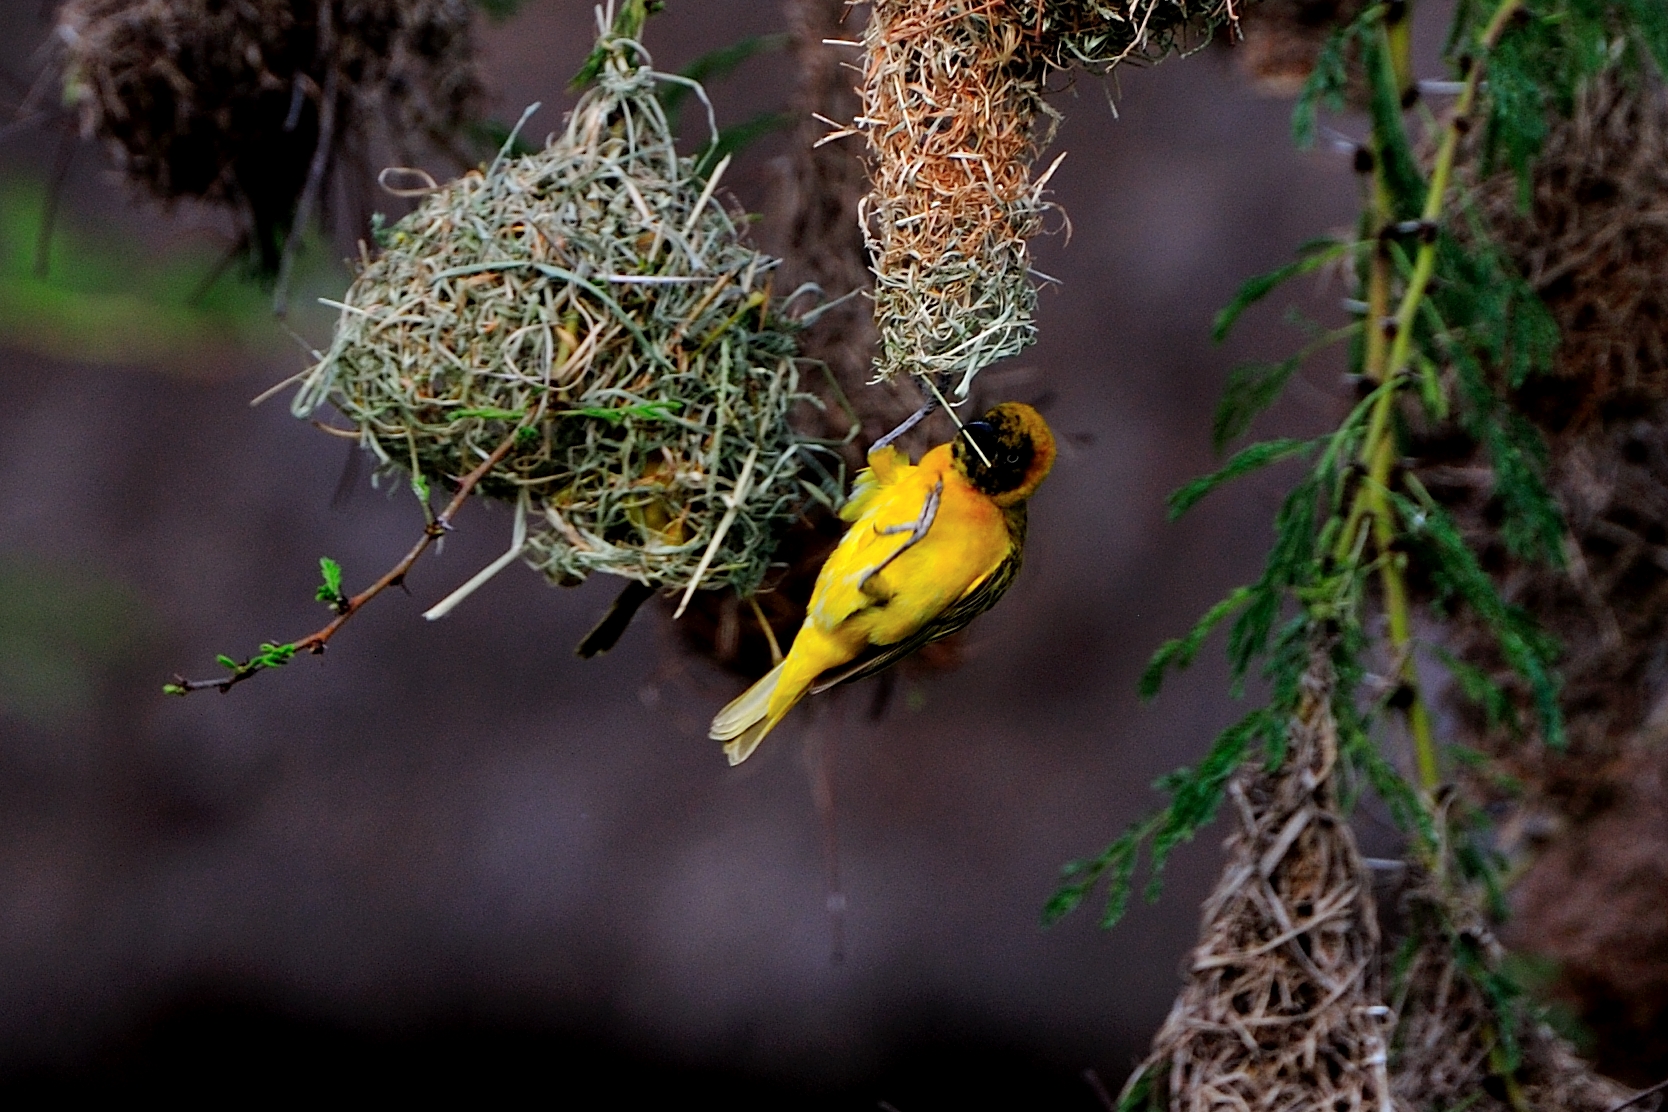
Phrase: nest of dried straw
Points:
(1098, 34)
(1281, 1010)
(229, 102)
(950, 102)
(1449, 1051)
(597, 297)
(952, 99)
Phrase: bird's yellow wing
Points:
(886, 467)
(925, 537)
(978, 598)
(859, 573)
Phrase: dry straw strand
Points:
(598, 295)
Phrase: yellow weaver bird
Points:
(931, 547)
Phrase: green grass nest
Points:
(597, 301)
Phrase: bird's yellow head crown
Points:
(1015, 451)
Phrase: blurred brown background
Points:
(452, 849)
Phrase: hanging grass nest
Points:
(1281, 1009)
(950, 103)
(242, 104)
(596, 301)
(954, 115)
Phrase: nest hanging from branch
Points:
(954, 115)
(950, 103)
(597, 297)
(243, 105)
(1281, 1010)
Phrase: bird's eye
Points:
(1013, 457)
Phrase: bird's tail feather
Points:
(745, 722)
(742, 746)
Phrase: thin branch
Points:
(1092, 1079)
(54, 198)
(320, 165)
(346, 608)
(1641, 1095)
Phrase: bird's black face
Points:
(1002, 462)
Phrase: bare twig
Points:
(346, 608)
(1660, 1086)
(1092, 1079)
(54, 197)
(309, 199)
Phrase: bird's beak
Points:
(981, 437)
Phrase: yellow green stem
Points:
(1400, 30)
(1389, 348)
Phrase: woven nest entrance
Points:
(596, 302)
(241, 104)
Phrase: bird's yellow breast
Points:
(967, 541)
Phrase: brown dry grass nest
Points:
(596, 302)
(1282, 1008)
(234, 101)
(1295, 1001)
(954, 115)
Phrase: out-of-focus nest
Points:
(952, 97)
(1594, 244)
(1099, 34)
(1281, 40)
(228, 102)
(598, 298)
